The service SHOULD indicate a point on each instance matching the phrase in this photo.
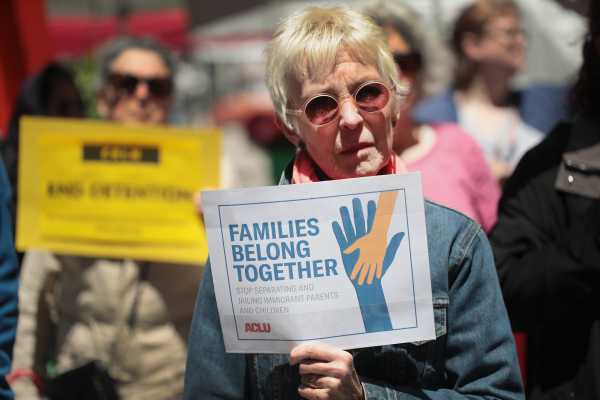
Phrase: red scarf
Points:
(304, 168)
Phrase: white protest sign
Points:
(342, 262)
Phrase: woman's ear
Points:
(288, 132)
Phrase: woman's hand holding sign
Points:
(366, 256)
(326, 373)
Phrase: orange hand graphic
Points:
(366, 252)
(373, 245)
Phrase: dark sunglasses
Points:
(157, 87)
(323, 108)
(409, 63)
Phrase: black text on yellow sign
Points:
(115, 152)
(99, 189)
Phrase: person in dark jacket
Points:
(51, 92)
(547, 245)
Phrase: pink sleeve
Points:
(482, 188)
(486, 193)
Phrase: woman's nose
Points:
(350, 117)
(142, 91)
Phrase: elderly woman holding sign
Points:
(337, 95)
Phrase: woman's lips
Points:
(355, 148)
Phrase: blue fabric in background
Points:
(541, 106)
(8, 286)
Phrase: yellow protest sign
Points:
(100, 189)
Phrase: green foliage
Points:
(86, 71)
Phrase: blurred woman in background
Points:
(454, 170)
(490, 46)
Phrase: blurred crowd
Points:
(523, 163)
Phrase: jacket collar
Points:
(579, 171)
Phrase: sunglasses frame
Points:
(116, 76)
(413, 62)
(302, 110)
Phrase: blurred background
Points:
(220, 48)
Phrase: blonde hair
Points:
(305, 46)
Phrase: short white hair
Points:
(306, 45)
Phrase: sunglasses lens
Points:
(157, 87)
(126, 83)
(160, 87)
(372, 97)
(408, 63)
(321, 109)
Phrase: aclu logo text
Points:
(262, 327)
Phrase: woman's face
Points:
(503, 43)
(138, 104)
(356, 143)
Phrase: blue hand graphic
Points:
(370, 295)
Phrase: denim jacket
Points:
(472, 357)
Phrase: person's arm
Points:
(210, 372)
(8, 286)
(34, 329)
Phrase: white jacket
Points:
(132, 316)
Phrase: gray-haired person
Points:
(452, 165)
(129, 317)
(136, 81)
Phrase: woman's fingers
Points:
(317, 352)
(318, 381)
(326, 372)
